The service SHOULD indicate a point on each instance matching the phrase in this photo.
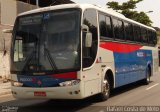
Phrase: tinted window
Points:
(129, 31)
(144, 35)
(137, 33)
(105, 26)
(109, 27)
(102, 26)
(90, 19)
(118, 29)
(154, 38)
(150, 37)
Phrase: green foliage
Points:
(127, 9)
(125, 6)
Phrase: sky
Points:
(145, 6)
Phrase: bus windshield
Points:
(48, 41)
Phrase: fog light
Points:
(69, 83)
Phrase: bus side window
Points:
(144, 35)
(118, 28)
(109, 27)
(105, 26)
(154, 38)
(137, 33)
(129, 31)
(150, 37)
(102, 26)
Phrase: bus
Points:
(75, 51)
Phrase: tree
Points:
(127, 9)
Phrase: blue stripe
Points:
(40, 81)
(131, 67)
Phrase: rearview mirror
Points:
(7, 31)
(88, 40)
(88, 36)
(85, 28)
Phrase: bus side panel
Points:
(131, 66)
(93, 78)
(107, 62)
(91, 81)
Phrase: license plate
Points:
(38, 93)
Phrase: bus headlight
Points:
(17, 84)
(69, 83)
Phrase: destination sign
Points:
(29, 20)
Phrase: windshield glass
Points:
(47, 42)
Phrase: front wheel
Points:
(105, 90)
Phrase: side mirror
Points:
(85, 28)
(7, 31)
(88, 40)
(88, 37)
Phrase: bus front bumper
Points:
(68, 92)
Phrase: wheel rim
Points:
(106, 87)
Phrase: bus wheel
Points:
(148, 77)
(105, 90)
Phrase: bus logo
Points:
(141, 54)
(39, 83)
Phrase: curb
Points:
(5, 93)
(5, 88)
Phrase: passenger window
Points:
(129, 31)
(150, 37)
(154, 38)
(137, 33)
(102, 26)
(105, 26)
(144, 35)
(109, 27)
(118, 29)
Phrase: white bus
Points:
(75, 51)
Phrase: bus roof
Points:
(83, 7)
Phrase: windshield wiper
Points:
(28, 60)
(51, 60)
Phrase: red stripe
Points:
(119, 47)
(65, 75)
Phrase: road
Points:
(136, 94)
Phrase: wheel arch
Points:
(150, 69)
(108, 72)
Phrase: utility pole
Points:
(37, 3)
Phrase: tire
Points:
(148, 77)
(106, 90)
